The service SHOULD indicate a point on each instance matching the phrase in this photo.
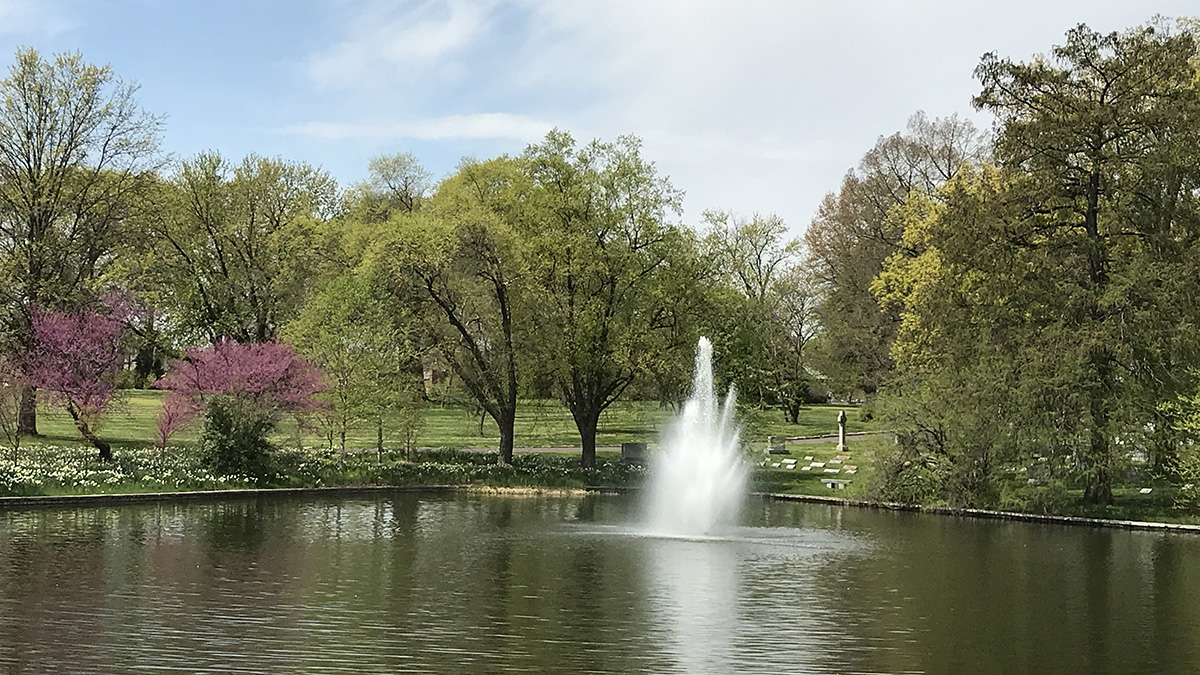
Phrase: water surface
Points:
(466, 583)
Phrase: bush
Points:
(1187, 465)
(906, 475)
(234, 441)
(1051, 496)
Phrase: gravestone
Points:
(633, 453)
(841, 446)
(777, 445)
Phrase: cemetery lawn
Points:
(766, 477)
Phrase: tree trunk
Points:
(1099, 477)
(792, 411)
(147, 365)
(587, 424)
(85, 431)
(379, 440)
(27, 416)
(506, 442)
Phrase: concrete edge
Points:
(23, 503)
(988, 514)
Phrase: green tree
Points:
(1107, 130)
(346, 330)
(851, 237)
(600, 242)
(776, 317)
(234, 247)
(1042, 304)
(396, 184)
(75, 151)
(460, 269)
(969, 393)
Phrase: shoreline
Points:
(987, 514)
(119, 499)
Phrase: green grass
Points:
(768, 478)
(67, 467)
(540, 423)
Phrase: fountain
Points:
(697, 477)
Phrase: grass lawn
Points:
(796, 481)
(540, 423)
(131, 427)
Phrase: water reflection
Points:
(694, 595)
(410, 583)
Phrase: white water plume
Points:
(698, 480)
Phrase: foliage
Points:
(12, 384)
(269, 374)
(410, 424)
(852, 236)
(600, 245)
(368, 358)
(1038, 301)
(774, 319)
(76, 154)
(175, 414)
(461, 269)
(253, 386)
(74, 358)
(397, 184)
(234, 441)
(1184, 413)
(234, 248)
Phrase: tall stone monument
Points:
(841, 446)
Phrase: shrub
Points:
(906, 475)
(1187, 465)
(234, 441)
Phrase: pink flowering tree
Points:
(74, 358)
(269, 375)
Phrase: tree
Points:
(397, 184)
(600, 242)
(346, 329)
(269, 374)
(12, 384)
(792, 324)
(775, 319)
(1106, 131)
(75, 358)
(75, 151)
(1043, 304)
(235, 246)
(852, 236)
(462, 267)
(974, 393)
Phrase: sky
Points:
(754, 106)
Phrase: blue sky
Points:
(750, 105)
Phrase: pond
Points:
(410, 582)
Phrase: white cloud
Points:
(756, 105)
(477, 126)
(389, 43)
